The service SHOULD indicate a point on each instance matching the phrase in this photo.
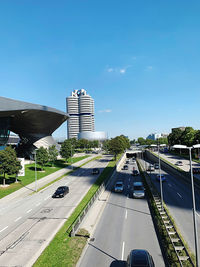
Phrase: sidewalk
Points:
(28, 189)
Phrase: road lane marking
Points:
(126, 214)
(38, 204)
(198, 214)
(18, 219)
(3, 229)
(128, 185)
(29, 211)
(47, 197)
(123, 250)
(170, 185)
(179, 195)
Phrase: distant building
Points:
(155, 136)
(182, 128)
(80, 107)
(91, 136)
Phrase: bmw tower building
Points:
(80, 107)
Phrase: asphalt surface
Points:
(125, 224)
(28, 224)
(177, 196)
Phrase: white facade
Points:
(80, 107)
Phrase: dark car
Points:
(139, 258)
(95, 171)
(61, 191)
(135, 172)
(125, 167)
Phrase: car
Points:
(95, 171)
(61, 191)
(133, 160)
(138, 190)
(151, 167)
(196, 170)
(119, 187)
(127, 161)
(135, 172)
(139, 257)
(156, 166)
(179, 163)
(163, 178)
(125, 167)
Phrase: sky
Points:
(138, 59)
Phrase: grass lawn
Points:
(30, 175)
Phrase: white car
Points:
(179, 163)
(119, 187)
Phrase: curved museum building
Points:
(32, 122)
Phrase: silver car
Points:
(138, 190)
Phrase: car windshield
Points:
(140, 260)
(138, 187)
(118, 184)
(60, 189)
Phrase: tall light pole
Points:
(35, 152)
(193, 200)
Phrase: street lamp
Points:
(34, 153)
(193, 199)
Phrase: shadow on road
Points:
(103, 251)
(129, 208)
(117, 263)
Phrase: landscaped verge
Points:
(167, 247)
(30, 175)
(59, 252)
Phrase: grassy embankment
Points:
(30, 175)
(63, 249)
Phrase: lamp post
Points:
(71, 156)
(193, 200)
(35, 152)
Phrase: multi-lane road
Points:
(125, 224)
(178, 197)
(28, 224)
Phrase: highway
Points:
(178, 197)
(28, 224)
(125, 224)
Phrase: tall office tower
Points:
(80, 107)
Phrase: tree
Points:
(188, 136)
(116, 146)
(141, 141)
(174, 138)
(67, 149)
(53, 153)
(83, 143)
(42, 157)
(9, 163)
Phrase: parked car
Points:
(139, 257)
(196, 170)
(95, 171)
(179, 163)
(127, 161)
(119, 187)
(156, 166)
(163, 178)
(61, 191)
(138, 190)
(135, 172)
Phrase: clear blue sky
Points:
(138, 59)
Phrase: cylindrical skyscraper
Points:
(80, 107)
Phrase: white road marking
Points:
(47, 197)
(179, 195)
(123, 250)
(126, 214)
(128, 185)
(3, 229)
(170, 185)
(29, 211)
(38, 204)
(18, 219)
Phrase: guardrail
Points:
(179, 248)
